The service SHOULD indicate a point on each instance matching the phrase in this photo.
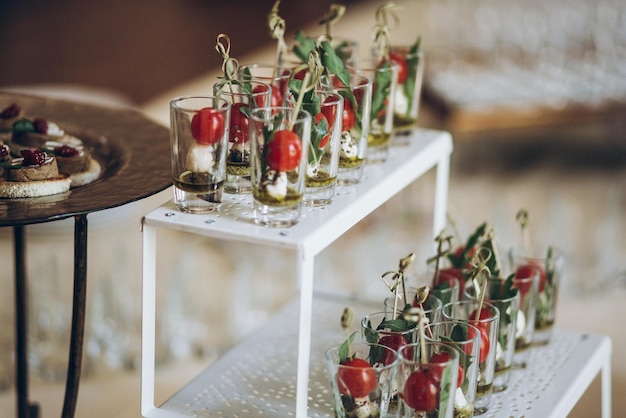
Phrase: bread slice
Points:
(90, 175)
(22, 189)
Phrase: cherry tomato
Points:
(357, 378)
(276, 98)
(484, 341)
(318, 118)
(403, 66)
(260, 100)
(207, 126)
(349, 119)
(528, 270)
(421, 390)
(451, 275)
(238, 124)
(284, 151)
(395, 342)
(460, 250)
(441, 358)
(329, 111)
(299, 75)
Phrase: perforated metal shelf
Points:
(257, 377)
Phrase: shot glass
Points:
(355, 126)
(384, 76)
(465, 338)
(527, 284)
(506, 299)
(446, 286)
(323, 165)
(432, 306)
(243, 96)
(387, 329)
(487, 324)
(408, 91)
(362, 379)
(280, 144)
(199, 139)
(276, 76)
(550, 271)
(427, 379)
(347, 50)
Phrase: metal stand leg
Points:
(24, 408)
(78, 316)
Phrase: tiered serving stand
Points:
(278, 370)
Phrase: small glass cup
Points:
(382, 328)
(432, 306)
(408, 92)
(487, 324)
(276, 76)
(507, 303)
(384, 76)
(525, 323)
(321, 176)
(366, 383)
(465, 338)
(243, 96)
(551, 269)
(280, 142)
(355, 126)
(199, 140)
(347, 50)
(448, 287)
(427, 379)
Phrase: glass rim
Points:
(417, 346)
(244, 94)
(267, 66)
(488, 299)
(175, 103)
(265, 111)
(328, 354)
(363, 82)
(467, 302)
(475, 339)
(436, 300)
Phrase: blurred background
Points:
(534, 93)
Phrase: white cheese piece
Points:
(520, 324)
(348, 148)
(277, 187)
(199, 158)
(312, 169)
(459, 399)
(401, 104)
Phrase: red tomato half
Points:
(395, 342)
(451, 275)
(284, 151)
(329, 111)
(403, 66)
(238, 124)
(318, 118)
(528, 270)
(349, 119)
(443, 357)
(357, 378)
(421, 390)
(484, 341)
(207, 126)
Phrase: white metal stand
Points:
(278, 370)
